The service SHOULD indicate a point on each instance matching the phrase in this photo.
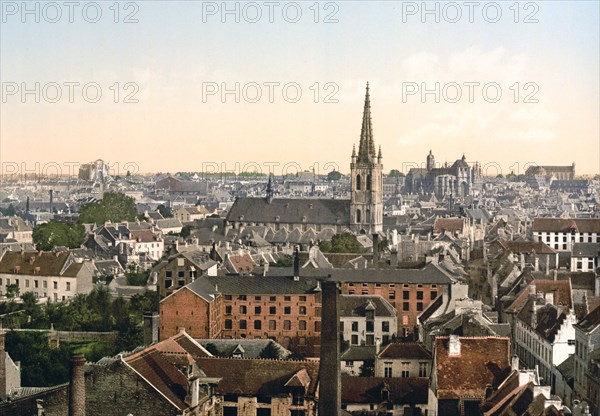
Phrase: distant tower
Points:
(430, 162)
(366, 206)
(269, 196)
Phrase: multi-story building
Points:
(181, 269)
(542, 320)
(587, 340)
(585, 257)
(53, 275)
(405, 359)
(366, 319)
(562, 233)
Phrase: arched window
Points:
(358, 186)
(369, 182)
(358, 216)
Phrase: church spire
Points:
(366, 148)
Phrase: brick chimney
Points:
(330, 391)
(77, 386)
(151, 320)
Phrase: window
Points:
(370, 326)
(68, 286)
(404, 372)
(227, 297)
(422, 369)
(243, 324)
(354, 340)
(55, 284)
(318, 326)
(257, 310)
(387, 370)
(405, 306)
(392, 295)
(272, 325)
(287, 298)
(287, 310)
(263, 411)
(405, 295)
(302, 310)
(35, 283)
(302, 298)
(230, 411)
(228, 324)
(243, 309)
(228, 310)
(27, 283)
(257, 298)
(272, 310)
(45, 284)
(181, 274)
(370, 340)
(433, 294)
(358, 184)
(355, 326)
(349, 363)
(168, 274)
(385, 326)
(419, 306)
(242, 297)
(287, 325)
(257, 324)
(272, 298)
(419, 294)
(302, 325)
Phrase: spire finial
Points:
(366, 149)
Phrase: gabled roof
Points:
(310, 211)
(369, 390)
(256, 377)
(560, 288)
(357, 305)
(590, 321)
(539, 247)
(42, 263)
(482, 361)
(405, 350)
(450, 225)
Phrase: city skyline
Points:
(177, 60)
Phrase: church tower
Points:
(366, 205)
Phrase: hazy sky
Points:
(176, 58)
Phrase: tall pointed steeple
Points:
(366, 148)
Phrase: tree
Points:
(334, 175)
(341, 243)
(165, 211)
(394, 173)
(186, 230)
(10, 211)
(270, 351)
(54, 233)
(12, 290)
(114, 207)
(367, 369)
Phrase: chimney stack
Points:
(514, 362)
(454, 346)
(330, 391)
(77, 386)
(150, 327)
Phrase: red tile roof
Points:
(450, 225)
(43, 263)
(482, 361)
(560, 288)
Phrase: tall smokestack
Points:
(77, 386)
(2, 368)
(296, 264)
(330, 386)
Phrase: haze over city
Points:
(173, 63)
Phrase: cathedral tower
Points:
(366, 206)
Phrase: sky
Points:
(169, 86)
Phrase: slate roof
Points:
(252, 347)
(310, 211)
(590, 321)
(49, 263)
(526, 247)
(482, 361)
(273, 285)
(407, 350)
(407, 390)
(355, 305)
(586, 250)
(359, 353)
(564, 225)
(257, 377)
